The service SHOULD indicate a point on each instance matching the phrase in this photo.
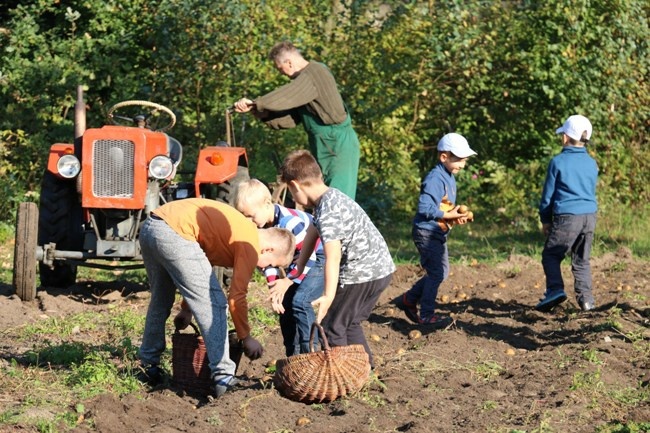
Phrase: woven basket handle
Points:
(196, 330)
(314, 327)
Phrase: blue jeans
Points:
(298, 316)
(434, 258)
(574, 233)
(174, 262)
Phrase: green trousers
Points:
(336, 148)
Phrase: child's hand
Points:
(323, 304)
(455, 213)
(276, 293)
(458, 215)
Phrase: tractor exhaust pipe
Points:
(79, 117)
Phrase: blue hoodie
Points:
(439, 184)
(570, 186)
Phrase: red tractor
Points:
(97, 192)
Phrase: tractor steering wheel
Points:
(150, 120)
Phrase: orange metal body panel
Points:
(217, 165)
(56, 152)
(147, 145)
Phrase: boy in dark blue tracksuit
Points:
(568, 215)
(437, 212)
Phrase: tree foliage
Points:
(505, 74)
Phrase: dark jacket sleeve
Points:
(278, 120)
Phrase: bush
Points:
(505, 75)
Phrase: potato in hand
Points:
(465, 210)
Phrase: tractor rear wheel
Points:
(25, 251)
(226, 191)
(60, 222)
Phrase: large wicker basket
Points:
(190, 367)
(325, 375)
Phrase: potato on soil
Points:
(303, 420)
(415, 334)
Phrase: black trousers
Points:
(352, 305)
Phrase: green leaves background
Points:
(505, 74)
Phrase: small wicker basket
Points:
(325, 375)
(190, 367)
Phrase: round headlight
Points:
(68, 166)
(161, 167)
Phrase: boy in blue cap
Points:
(568, 215)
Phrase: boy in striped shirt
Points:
(290, 296)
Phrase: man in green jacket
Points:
(311, 98)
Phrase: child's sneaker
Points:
(435, 321)
(550, 301)
(409, 308)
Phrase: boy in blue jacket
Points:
(568, 215)
(436, 214)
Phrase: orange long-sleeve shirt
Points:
(227, 238)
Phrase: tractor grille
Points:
(113, 168)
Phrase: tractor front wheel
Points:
(25, 251)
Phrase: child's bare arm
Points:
(308, 246)
(332, 264)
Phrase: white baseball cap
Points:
(575, 126)
(456, 144)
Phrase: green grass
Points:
(6, 232)
(489, 243)
(71, 359)
(630, 427)
(60, 327)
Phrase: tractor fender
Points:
(56, 152)
(218, 164)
